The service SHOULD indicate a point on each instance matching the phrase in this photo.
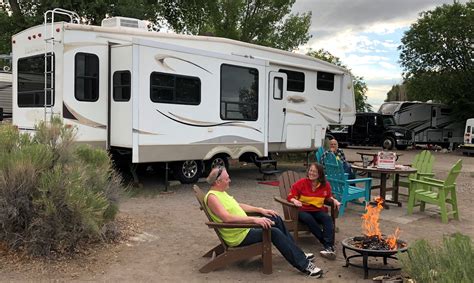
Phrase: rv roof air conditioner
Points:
(123, 22)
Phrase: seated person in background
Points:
(224, 208)
(309, 195)
(340, 156)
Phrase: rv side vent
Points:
(124, 23)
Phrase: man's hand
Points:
(264, 222)
(296, 202)
(268, 212)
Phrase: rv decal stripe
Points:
(69, 113)
(143, 132)
(26, 129)
(204, 124)
(161, 58)
(298, 112)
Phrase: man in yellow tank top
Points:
(224, 208)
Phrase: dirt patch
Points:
(170, 236)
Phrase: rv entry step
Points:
(267, 167)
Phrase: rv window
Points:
(176, 89)
(31, 81)
(121, 80)
(325, 81)
(86, 83)
(278, 88)
(239, 93)
(295, 80)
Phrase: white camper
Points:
(5, 86)
(468, 146)
(432, 123)
(184, 99)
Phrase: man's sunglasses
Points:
(219, 172)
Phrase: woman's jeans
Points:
(314, 220)
(282, 240)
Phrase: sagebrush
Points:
(53, 193)
(452, 261)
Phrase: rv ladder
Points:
(49, 64)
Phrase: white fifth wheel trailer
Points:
(183, 99)
(432, 123)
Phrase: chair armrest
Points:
(430, 183)
(284, 202)
(425, 174)
(232, 225)
(360, 180)
(334, 209)
(432, 180)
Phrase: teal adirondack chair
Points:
(423, 162)
(344, 189)
(437, 192)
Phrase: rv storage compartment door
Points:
(298, 136)
(120, 91)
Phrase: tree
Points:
(360, 87)
(262, 22)
(398, 93)
(437, 57)
(18, 15)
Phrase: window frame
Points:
(84, 77)
(223, 101)
(325, 81)
(122, 86)
(175, 76)
(34, 92)
(290, 78)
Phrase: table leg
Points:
(396, 183)
(383, 188)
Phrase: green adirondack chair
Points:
(438, 192)
(423, 162)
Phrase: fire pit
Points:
(366, 247)
(373, 243)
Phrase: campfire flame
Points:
(370, 224)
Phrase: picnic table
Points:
(399, 169)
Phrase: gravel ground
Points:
(170, 236)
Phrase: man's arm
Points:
(218, 209)
(250, 208)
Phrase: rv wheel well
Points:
(248, 157)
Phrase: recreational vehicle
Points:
(190, 101)
(432, 123)
(5, 86)
(468, 146)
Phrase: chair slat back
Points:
(286, 180)
(453, 173)
(319, 154)
(200, 197)
(335, 175)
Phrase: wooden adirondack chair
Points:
(344, 189)
(222, 254)
(290, 211)
(438, 192)
(423, 162)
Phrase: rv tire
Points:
(218, 160)
(188, 171)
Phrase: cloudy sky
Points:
(365, 35)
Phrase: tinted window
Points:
(31, 81)
(169, 88)
(239, 93)
(295, 80)
(325, 81)
(278, 88)
(121, 85)
(86, 83)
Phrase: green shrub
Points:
(453, 261)
(53, 194)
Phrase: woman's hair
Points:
(319, 167)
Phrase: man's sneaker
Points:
(309, 256)
(328, 253)
(313, 270)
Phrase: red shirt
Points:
(312, 200)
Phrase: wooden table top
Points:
(398, 169)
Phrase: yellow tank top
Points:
(232, 236)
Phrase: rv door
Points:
(120, 115)
(276, 107)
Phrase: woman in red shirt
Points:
(309, 194)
